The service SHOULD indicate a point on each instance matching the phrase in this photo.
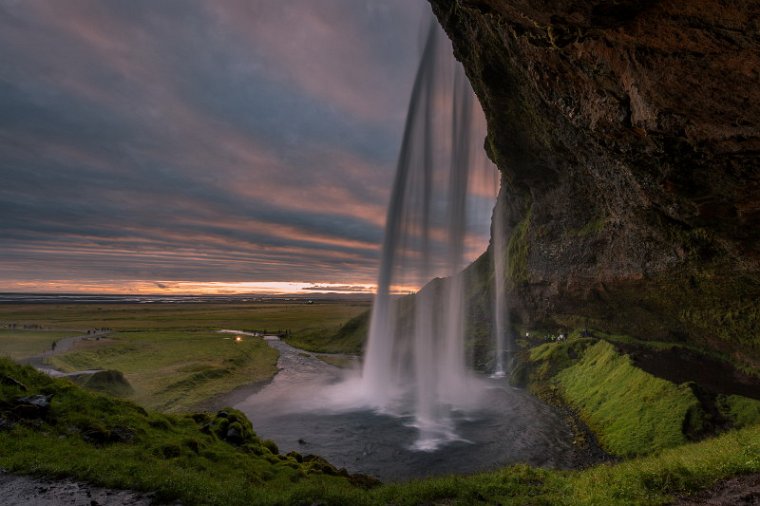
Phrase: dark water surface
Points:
(512, 427)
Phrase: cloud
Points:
(338, 288)
(353, 55)
(190, 140)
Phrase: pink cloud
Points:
(319, 47)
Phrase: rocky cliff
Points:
(628, 136)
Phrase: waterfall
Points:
(414, 363)
(500, 315)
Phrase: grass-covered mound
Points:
(741, 411)
(108, 382)
(630, 411)
(217, 459)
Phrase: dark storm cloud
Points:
(233, 140)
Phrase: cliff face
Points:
(628, 136)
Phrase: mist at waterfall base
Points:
(414, 408)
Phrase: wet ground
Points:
(511, 427)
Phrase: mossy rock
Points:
(229, 425)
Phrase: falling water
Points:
(500, 316)
(415, 359)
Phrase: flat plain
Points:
(172, 355)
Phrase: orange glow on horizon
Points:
(144, 287)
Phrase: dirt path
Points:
(61, 346)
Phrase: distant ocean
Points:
(50, 298)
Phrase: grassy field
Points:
(172, 355)
(176, 370)
(18, 344)
(296, 317)
(217, 459)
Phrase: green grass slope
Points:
(200, 459)
(349, 338)
(630, 411)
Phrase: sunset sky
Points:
(199, 146)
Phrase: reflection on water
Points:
(309, 408)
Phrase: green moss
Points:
(548, 359)
(517, 251)
(742, 411)
(708, 309)
(479, 316)
(630, 411)
(592, 227)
